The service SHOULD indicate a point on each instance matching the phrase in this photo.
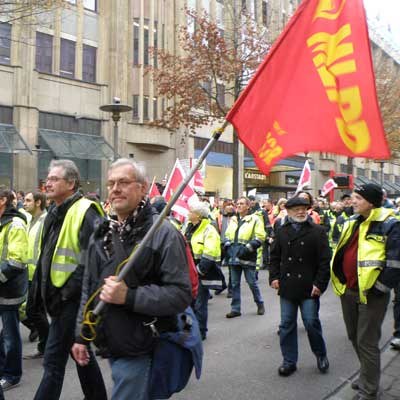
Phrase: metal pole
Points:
(115, 139)
(165, 212)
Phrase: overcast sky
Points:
(388, 12)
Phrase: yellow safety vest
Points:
(67, 254)
(206, 242)
(34, 243)
(13, 243)
(371, 256)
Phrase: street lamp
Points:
(116, 108)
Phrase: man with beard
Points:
(299, 271)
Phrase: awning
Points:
(391, 188)
(77, 145)
(11, 141)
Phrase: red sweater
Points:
(350, 262)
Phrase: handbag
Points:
(174, 357)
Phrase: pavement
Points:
(390, 382)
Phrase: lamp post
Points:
(116, 108)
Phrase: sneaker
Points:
(6, 385)
(260, 309)
(34, 356)
(395, 343)
(233, 314)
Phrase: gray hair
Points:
(200, 208)
(71, 171)
(138, 170)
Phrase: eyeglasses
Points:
(122, 184)
(53, 179)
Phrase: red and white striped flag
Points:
(329, 185)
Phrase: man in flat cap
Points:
(299, 271)
(365, 266)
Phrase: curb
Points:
(344, 390)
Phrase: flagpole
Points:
(136, 255)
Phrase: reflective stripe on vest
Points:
(371, 254)
(67, 253)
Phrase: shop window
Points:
(44, 52)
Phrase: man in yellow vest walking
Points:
(36, 319)
(57, 282)
(365, 266)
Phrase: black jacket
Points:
(300, 259)
(159, 286)
(12, 291)
(44, 291)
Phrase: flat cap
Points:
(297, 201)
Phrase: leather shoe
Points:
(287, 369)
(323, 364)
(233, 314)
(34, 334)
(260, 309)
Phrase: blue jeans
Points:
(309, 309)
(10, 347)
(201, 308)
(131, 377)
(59, 342)
(250, 276)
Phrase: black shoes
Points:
(233, 314)
(354, 385)
(323, 364)
(34, 334)
(260, 309)
(34, 356)
(287, 369)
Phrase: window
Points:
(155, 44)
(343, 168)
(44, 52)
(374, 175)
(89, 63)
(360, 172)
(135, 107)
(67, 59)
(146, 108)
(265, 13)
(221, 94)
(387, 178)
(244, 6)
(146, 42)
(136, 41)
(90, 5)
(5, 43)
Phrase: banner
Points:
(315, 91)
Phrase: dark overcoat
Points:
(300, 259)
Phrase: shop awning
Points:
(11, 141)
(77, 145)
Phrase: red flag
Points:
(315, 91)
(329, 185)
(153, 192)
(181, 207)
(305, 177)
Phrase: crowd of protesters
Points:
(46, 277)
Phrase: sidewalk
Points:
(390, 382)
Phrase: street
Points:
(242, 356)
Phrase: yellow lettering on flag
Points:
(271, 148)
(329, 9)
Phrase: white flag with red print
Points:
(181, 207)
(153, 192)
(329, 185)
(198, 182)
(305, 177)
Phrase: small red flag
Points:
(329, 185)
(315, 91)
(181, 207)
